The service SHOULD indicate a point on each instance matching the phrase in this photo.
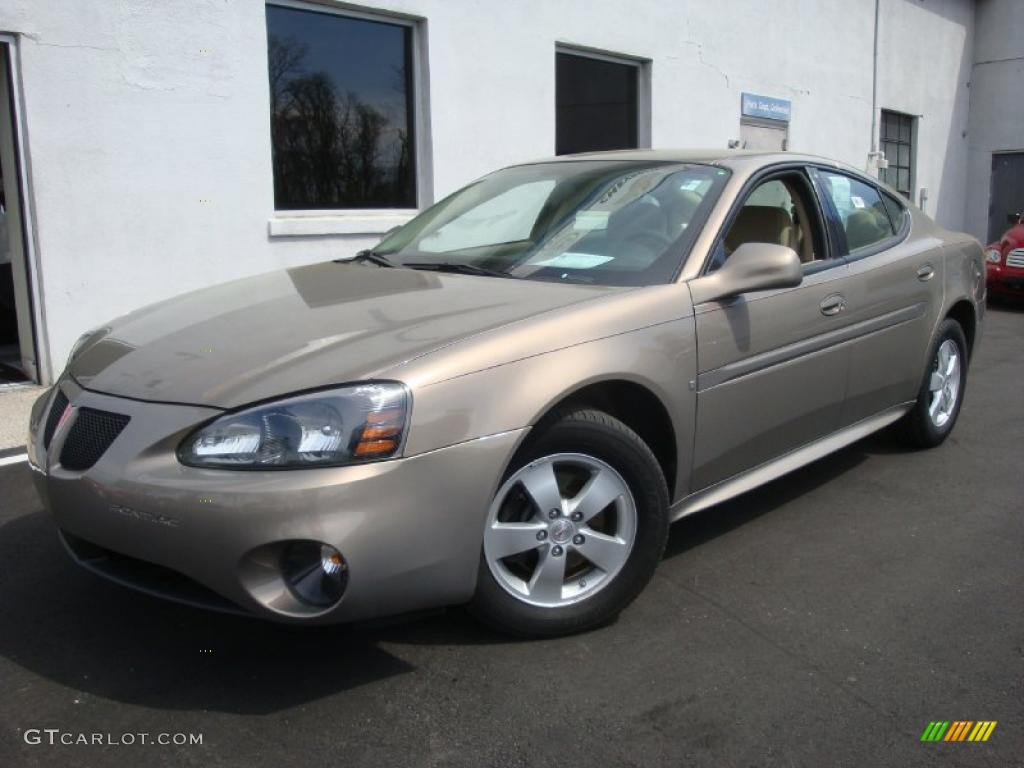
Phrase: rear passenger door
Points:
(771, 372)
(893, 293)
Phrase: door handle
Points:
(833, 305)
(925, 273)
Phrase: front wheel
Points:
(935, 411)
(576, 529)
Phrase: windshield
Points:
(602, 222)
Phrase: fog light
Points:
(315, 573)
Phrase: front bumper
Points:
(410, 529)
(1005, 281)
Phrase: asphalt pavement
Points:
(823, 620)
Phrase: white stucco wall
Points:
(997, 101)
(130, 125)
(925, 54)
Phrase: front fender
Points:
(661, 358)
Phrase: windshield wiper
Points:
(368, 255)
(451, 266)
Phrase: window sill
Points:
(299, 224)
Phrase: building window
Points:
(597, 103)
(898, 146)
(341, 111)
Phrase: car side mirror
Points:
(751, 267)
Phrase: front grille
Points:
(60, 402)
(89, 437)
(1015, 258)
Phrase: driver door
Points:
(771, 372)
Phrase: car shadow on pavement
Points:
(70, 627)
(80, 632)
(701, 527)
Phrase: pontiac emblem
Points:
(146, 517)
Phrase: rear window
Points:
(863, 215)
(898, 213)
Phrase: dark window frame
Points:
(416, 91)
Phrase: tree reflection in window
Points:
(341, 111)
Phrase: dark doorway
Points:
(1006, 193)
(17, 347)
(595, 104)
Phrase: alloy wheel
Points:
(560, 529)
(944, 385)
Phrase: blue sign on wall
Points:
(768, 107)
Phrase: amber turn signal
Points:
(381, 434)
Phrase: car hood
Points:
(1012, 238)
(301, 328)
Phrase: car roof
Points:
(733, 158)
(670, 155)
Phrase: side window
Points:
(897, 212)
(861, 210)
(779, 211)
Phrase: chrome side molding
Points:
(764, 473)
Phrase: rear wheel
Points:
(576, 529)
(934, 413)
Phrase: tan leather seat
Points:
(866, 227)
(760, 224)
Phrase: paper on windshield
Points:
(573, 260)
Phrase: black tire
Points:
(593, 433)
(917, 429)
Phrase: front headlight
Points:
(348, 425)
(85, 340)
(993, 256)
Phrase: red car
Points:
(1005, 263)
